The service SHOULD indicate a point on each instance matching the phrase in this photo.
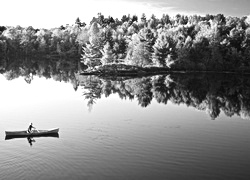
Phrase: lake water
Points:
(159, 127)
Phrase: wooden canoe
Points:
(33, 133)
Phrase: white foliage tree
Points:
(108, 55)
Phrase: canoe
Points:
(33, 133)
(55, 135)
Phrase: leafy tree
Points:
(120, 47)
(44, 40)
(108, 55)
(153, 22)
(107, 36)
(91, 52)
(164, 50)
(133, 29)
(208, 17)
(28, 39)
(79, 23)
(141, 48)
(13, 37)
(236, 37)
(141, 55)
(143, 18)
(143, 21)
(91, 56)
(83, 36)
(247, 21)
(147, 35)
(2, 28)
(220, 18)
(165, 20)
(184, 60)
(95, 35)
(134, 18)
(3, 49)
(125, 18)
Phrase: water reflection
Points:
(212, 93)
(31, 140)
(57, 69)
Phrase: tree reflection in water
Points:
(213, 93)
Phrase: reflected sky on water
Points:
(118, 138)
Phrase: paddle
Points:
(36, 130)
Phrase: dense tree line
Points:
(29, 42)
(209, 43)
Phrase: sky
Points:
(54, 13)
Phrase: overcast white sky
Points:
(53, 13)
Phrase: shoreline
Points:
(128, 70)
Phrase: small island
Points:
(124, 70)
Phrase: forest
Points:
(179, 43)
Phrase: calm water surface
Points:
(116, 138)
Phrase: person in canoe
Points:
(30, 128)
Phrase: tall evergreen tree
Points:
(164, 51)
(108, 55)
(91, 55)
